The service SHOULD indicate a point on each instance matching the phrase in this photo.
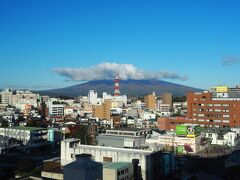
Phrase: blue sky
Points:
(194, 39)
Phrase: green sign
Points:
(181, 130)
(180, 149)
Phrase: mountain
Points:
(128, 87)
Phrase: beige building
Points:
(117, 170)
(103, 111)
(150, 101)
(167, 99)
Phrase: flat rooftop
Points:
(116, 165)
(126, 129)
(28, 128)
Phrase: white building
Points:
(148, 160)
(171, 140)
(92, 97)
(30, 136)
(223, 136)
(122, 100)
(19, 98)
(56, 107)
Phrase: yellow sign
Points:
(191, 135)
(221, 89)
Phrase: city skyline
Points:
(46, 45)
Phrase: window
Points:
(225, 121)
(226, 105)
(226, 115)
(107, 159)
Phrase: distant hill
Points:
(128, 87)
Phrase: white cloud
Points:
(109, 70)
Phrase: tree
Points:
(4, 123)
(25, 164)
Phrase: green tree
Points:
(25, 164)
(4, 123)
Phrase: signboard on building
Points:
(188, 130)
(221, 89)
(181, 130)
(180, 149)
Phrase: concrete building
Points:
(117, 171)
(222, 136)
(123, 138)
(121, 100)
(92, 97)
(168, 141)
(150, 101)
(151, 162)
(30, 136)
(102, 111)
(7, 97)
(167, 99)
(84, 168)
(56, 108)
(214, 109)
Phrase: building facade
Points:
(30, 136)
(214, 109)
(103, 111)
(150, 101)
(151, 162)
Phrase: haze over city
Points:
(53, 44)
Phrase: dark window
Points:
(107, 159)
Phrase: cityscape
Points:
(109, 90)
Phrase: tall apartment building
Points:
(92, 97)
(150, 101)
(167, 99)
(103, 111)
(218, 108)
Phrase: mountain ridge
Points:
(128, 87)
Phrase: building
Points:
(117, 170)
(167, 99)
(103, 111)
(121, 100)
(84, 168)
(92, 97)
(150, 101)
(214, 109)
(123, 138)
(222, 136)
(151, 162)
(56, 109)
(30, 136)
(179, 144)
(7, 97)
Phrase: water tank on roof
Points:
(84, 168)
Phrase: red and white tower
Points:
(116, 86)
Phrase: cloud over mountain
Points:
(109, 70)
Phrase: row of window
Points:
(217, 105)
(216, 120)
(212, 115)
